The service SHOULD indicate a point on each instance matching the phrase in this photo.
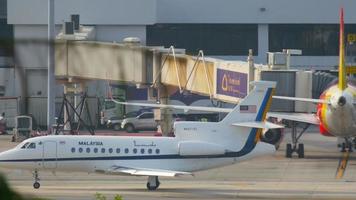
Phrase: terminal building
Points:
(224, 29)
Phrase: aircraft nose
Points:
(1, 159)
(4, 157)
(341, 101)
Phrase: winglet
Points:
(342, 71)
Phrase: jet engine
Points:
(272, 136)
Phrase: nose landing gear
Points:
(36, 184)
(346, 145)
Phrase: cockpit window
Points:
(32, 146)
(24, 146)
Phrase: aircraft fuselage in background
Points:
(338, 117)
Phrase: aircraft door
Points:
(49, 155)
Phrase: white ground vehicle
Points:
(144, 121)
(109, 111)
(115, 122)
(2, 124)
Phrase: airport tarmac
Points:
(272, 177)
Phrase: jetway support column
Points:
(72, 91)
(71, 109)
(166, 114)
(67, 126)
(165, 122)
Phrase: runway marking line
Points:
(342, 165)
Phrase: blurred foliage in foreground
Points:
(6, 193)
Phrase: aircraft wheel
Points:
(117, 127)
(130, 128)
(36, 185)
(151, 188)
(300, 150)
(343, 147)
(289, 151)
(353, 143)
(349, 146)
(155, 183)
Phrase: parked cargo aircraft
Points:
(336, 113)
(196, 146)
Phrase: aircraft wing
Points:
(298, 117)
(301, 99)
(185, 108)
(143, 171)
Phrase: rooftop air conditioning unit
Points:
(68, 28)
(277, 60)
(281, 60)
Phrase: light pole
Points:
(51, 78)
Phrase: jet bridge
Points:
(163, 68)
(142, 65)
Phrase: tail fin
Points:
(342, 71)
(254, 106)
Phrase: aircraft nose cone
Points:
(1, 159)
(4, 157)
(341, 101)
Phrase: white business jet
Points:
(196, 146)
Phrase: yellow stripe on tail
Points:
(259, 131)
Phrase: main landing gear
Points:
(296, 146)
(153, 183)
(36, 184)
(347, 145)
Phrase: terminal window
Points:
(213, 39)
(6, 38)
(312, 39)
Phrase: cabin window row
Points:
(111, 150)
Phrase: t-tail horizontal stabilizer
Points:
(255, 124)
